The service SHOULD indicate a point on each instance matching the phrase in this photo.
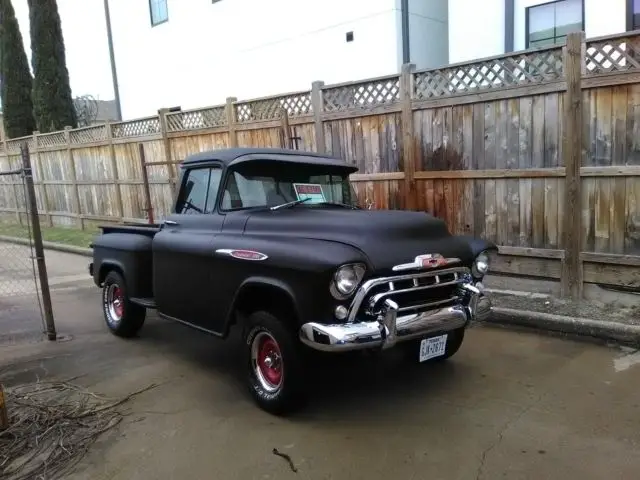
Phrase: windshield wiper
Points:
(339, 204)
(289, 204)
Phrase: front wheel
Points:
(122, 317)
(274, 364)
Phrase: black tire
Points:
(277, 389)
(122, 317)
(454, 342)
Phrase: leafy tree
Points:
(15, 77)
(52, 101)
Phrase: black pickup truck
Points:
(273, 241)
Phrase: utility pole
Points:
(112, 58)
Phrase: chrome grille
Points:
(412, 292)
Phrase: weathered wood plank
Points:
(477, 159)
(619, 125)
(602, 213)
(603, 127)
(632, 217)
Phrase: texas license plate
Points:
(433, 347)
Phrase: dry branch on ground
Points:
(52, 426)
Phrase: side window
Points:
(214, 186)
(199, 191)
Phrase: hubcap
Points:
(115, 303)
(267, 361)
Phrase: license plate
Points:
(433, 347)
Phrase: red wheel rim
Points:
(118, 301)
(270, 361)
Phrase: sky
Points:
(85, 36)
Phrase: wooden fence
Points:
(537, 150)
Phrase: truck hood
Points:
(386, 237)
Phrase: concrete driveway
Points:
(510, 405)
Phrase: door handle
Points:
(170, 222)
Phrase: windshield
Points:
(276, 184)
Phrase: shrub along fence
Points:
(537, 150)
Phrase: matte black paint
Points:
(177, 267)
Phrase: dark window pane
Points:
(196, 188)
(636, 6)
(159, 11)
(550, 23)
(214, 186)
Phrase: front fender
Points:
(242, 294)
(479, 245)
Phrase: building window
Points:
(159, 12)
(549, 23)
(633, 14)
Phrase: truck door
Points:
(183, 254)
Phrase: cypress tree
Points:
(52, 101)
(15, 77)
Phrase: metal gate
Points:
(25, 302)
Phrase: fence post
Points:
(114, 167)
(408, 145)
(571, 281)
(45, 198)
(318, 108)
(74, 177)
(172, 168)
(32, 210)
(286, 129)
(231, 121)
(145, 184)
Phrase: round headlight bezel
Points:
(346, 279)
(481, 264)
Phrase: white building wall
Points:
(246, 48)
(428, 32)
(476, 29)
(601, 17)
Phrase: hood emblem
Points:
(426, 261)
(242, 254)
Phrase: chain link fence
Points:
(25, 304)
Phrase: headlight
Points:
(346, 280)
(480, 265)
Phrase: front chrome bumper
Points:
(389, 328)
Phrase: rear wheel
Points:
(122, 317)
(274, 364)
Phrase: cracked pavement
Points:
(510, 404)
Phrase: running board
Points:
(144, 302)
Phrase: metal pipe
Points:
(508, 25)
(404, 11)
(37, 242)
(112, 58)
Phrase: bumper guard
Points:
(389, 329)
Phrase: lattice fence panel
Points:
(368, 94)
(510, 71)
(88, 134)
(136, 128)
(296, 104)
(196, 119)
(614, 55)
(51, 139)
(13, 146)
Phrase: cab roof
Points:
(236, 156)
